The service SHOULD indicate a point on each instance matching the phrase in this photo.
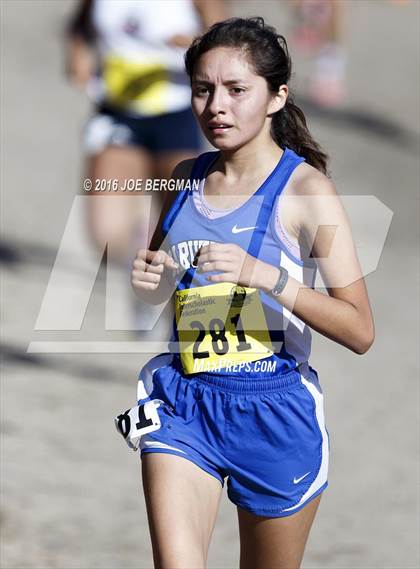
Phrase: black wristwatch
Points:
(281, 282)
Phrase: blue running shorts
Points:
(264, 433)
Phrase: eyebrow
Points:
(228, 82)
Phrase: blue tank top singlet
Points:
(286, 338)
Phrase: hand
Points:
(236, 266)
(148, 267)
(79, 63)
(180, 40)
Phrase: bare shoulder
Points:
(308, 181)
(182, 171)
(315, 198)
(307, 192)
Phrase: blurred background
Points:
(71, 489)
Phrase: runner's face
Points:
(230, 101)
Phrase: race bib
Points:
(220, 324)
(137, 85)
(138, 421)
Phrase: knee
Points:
(185, 547)
(180, 555)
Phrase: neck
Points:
(250, 160)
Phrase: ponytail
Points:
(289, 128)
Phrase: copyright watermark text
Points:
(131, 185)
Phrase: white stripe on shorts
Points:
(151, 443)
(323, 470)
(145, 384)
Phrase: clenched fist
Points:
(148, 267)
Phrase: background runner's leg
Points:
(182, 502)
(115, 220)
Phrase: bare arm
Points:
(80, 37)
(344, 315)
(210, 12)
(151, 276)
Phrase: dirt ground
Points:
(71, 489)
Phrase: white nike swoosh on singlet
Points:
(297, 480)
(236, 229)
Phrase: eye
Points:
(201, 90)
(237, 90)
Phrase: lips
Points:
(219, 127)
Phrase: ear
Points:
(278, 101)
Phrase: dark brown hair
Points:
(268, 53)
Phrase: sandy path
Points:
(71, 492)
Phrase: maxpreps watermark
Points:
(235, 367)
(139, 185)
(77, 264)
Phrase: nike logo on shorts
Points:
(236, 229)
(297, 480)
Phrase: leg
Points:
(111, 217)
(329, 75)
(275, 543)
(182, 502)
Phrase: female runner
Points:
(236, 397)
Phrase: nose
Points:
(216, 103)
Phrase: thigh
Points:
(275, 543)
(182, 502)
(113, 216)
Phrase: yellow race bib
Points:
(220, 324)
(138, 85)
